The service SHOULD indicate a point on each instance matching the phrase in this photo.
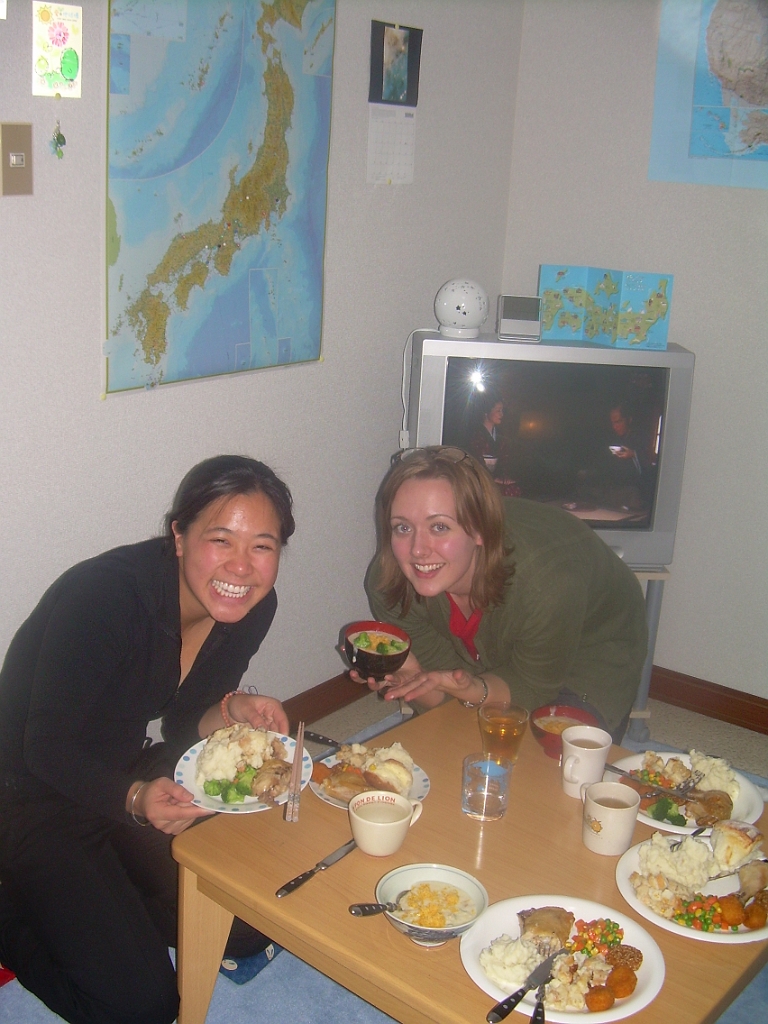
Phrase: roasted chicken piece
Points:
(752, 878)
(707, 807)
(547, 928)
(271, 780)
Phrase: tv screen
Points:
(587, 438)
(600, 432)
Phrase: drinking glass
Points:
(502, 727)
(485, 786)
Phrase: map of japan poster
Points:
(218, 135)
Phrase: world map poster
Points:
(710, 119)
(218, 136)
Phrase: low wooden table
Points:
(233, 864)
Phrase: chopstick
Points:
(294, 787)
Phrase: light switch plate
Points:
(15, 159)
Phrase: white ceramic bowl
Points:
(394, 882)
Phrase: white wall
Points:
(580, 194)
(80, 474)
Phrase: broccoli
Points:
(362, 640)
(213, 787)
(244, 779)
(230, 794)
(666, 810)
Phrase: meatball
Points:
(622, 981)
(599, 998)
(755, 916)
(731, 909)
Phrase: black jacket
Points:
(95, 662)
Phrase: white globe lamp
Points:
(461, 308)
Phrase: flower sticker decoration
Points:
(57, 41)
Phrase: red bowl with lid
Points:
(549, 721)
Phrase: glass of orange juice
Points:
(502, 727)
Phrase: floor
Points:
(307, 997)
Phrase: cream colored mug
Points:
(380, 821)
(610, 814)
(585, 751)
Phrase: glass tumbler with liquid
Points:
(502, 727)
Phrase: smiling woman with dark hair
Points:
(160, 629)
(501, 597)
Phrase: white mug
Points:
(380, 821)
(585, 751)
(610, 813)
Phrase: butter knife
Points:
(537, 977)
(320, 866)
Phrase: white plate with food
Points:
(748, 805)
(418, 790)
(501, 919)
(630, 863)
(186, 771)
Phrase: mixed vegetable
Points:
(593, 937)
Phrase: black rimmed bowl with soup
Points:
(548, 723)
(375, 649)
(435, 902)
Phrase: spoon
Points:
(369, 909)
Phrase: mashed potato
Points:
(717, 774)
(508, 962)
(690, 864)
(228, 749)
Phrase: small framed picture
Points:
(395, 63)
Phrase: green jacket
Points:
(573, 617)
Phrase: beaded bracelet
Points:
(223, 707)
(483, 699)
(133, 805)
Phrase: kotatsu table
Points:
(234, 863)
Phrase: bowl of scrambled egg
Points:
(435, 902)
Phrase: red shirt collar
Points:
(465, 628)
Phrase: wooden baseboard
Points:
(710, 699)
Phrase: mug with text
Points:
(610, 813)
(380, 820)
(585, 751)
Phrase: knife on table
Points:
(320, 866)
(540, 976)
(325, 741)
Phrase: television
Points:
(597, 431)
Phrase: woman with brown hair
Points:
(502, 598)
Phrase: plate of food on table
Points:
(713, 888)
(609, 967)
(239, 769)
(713, 790)
(356, 768)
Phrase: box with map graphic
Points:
(606, 307)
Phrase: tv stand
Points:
(654, 578)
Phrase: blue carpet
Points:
(304, 996)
